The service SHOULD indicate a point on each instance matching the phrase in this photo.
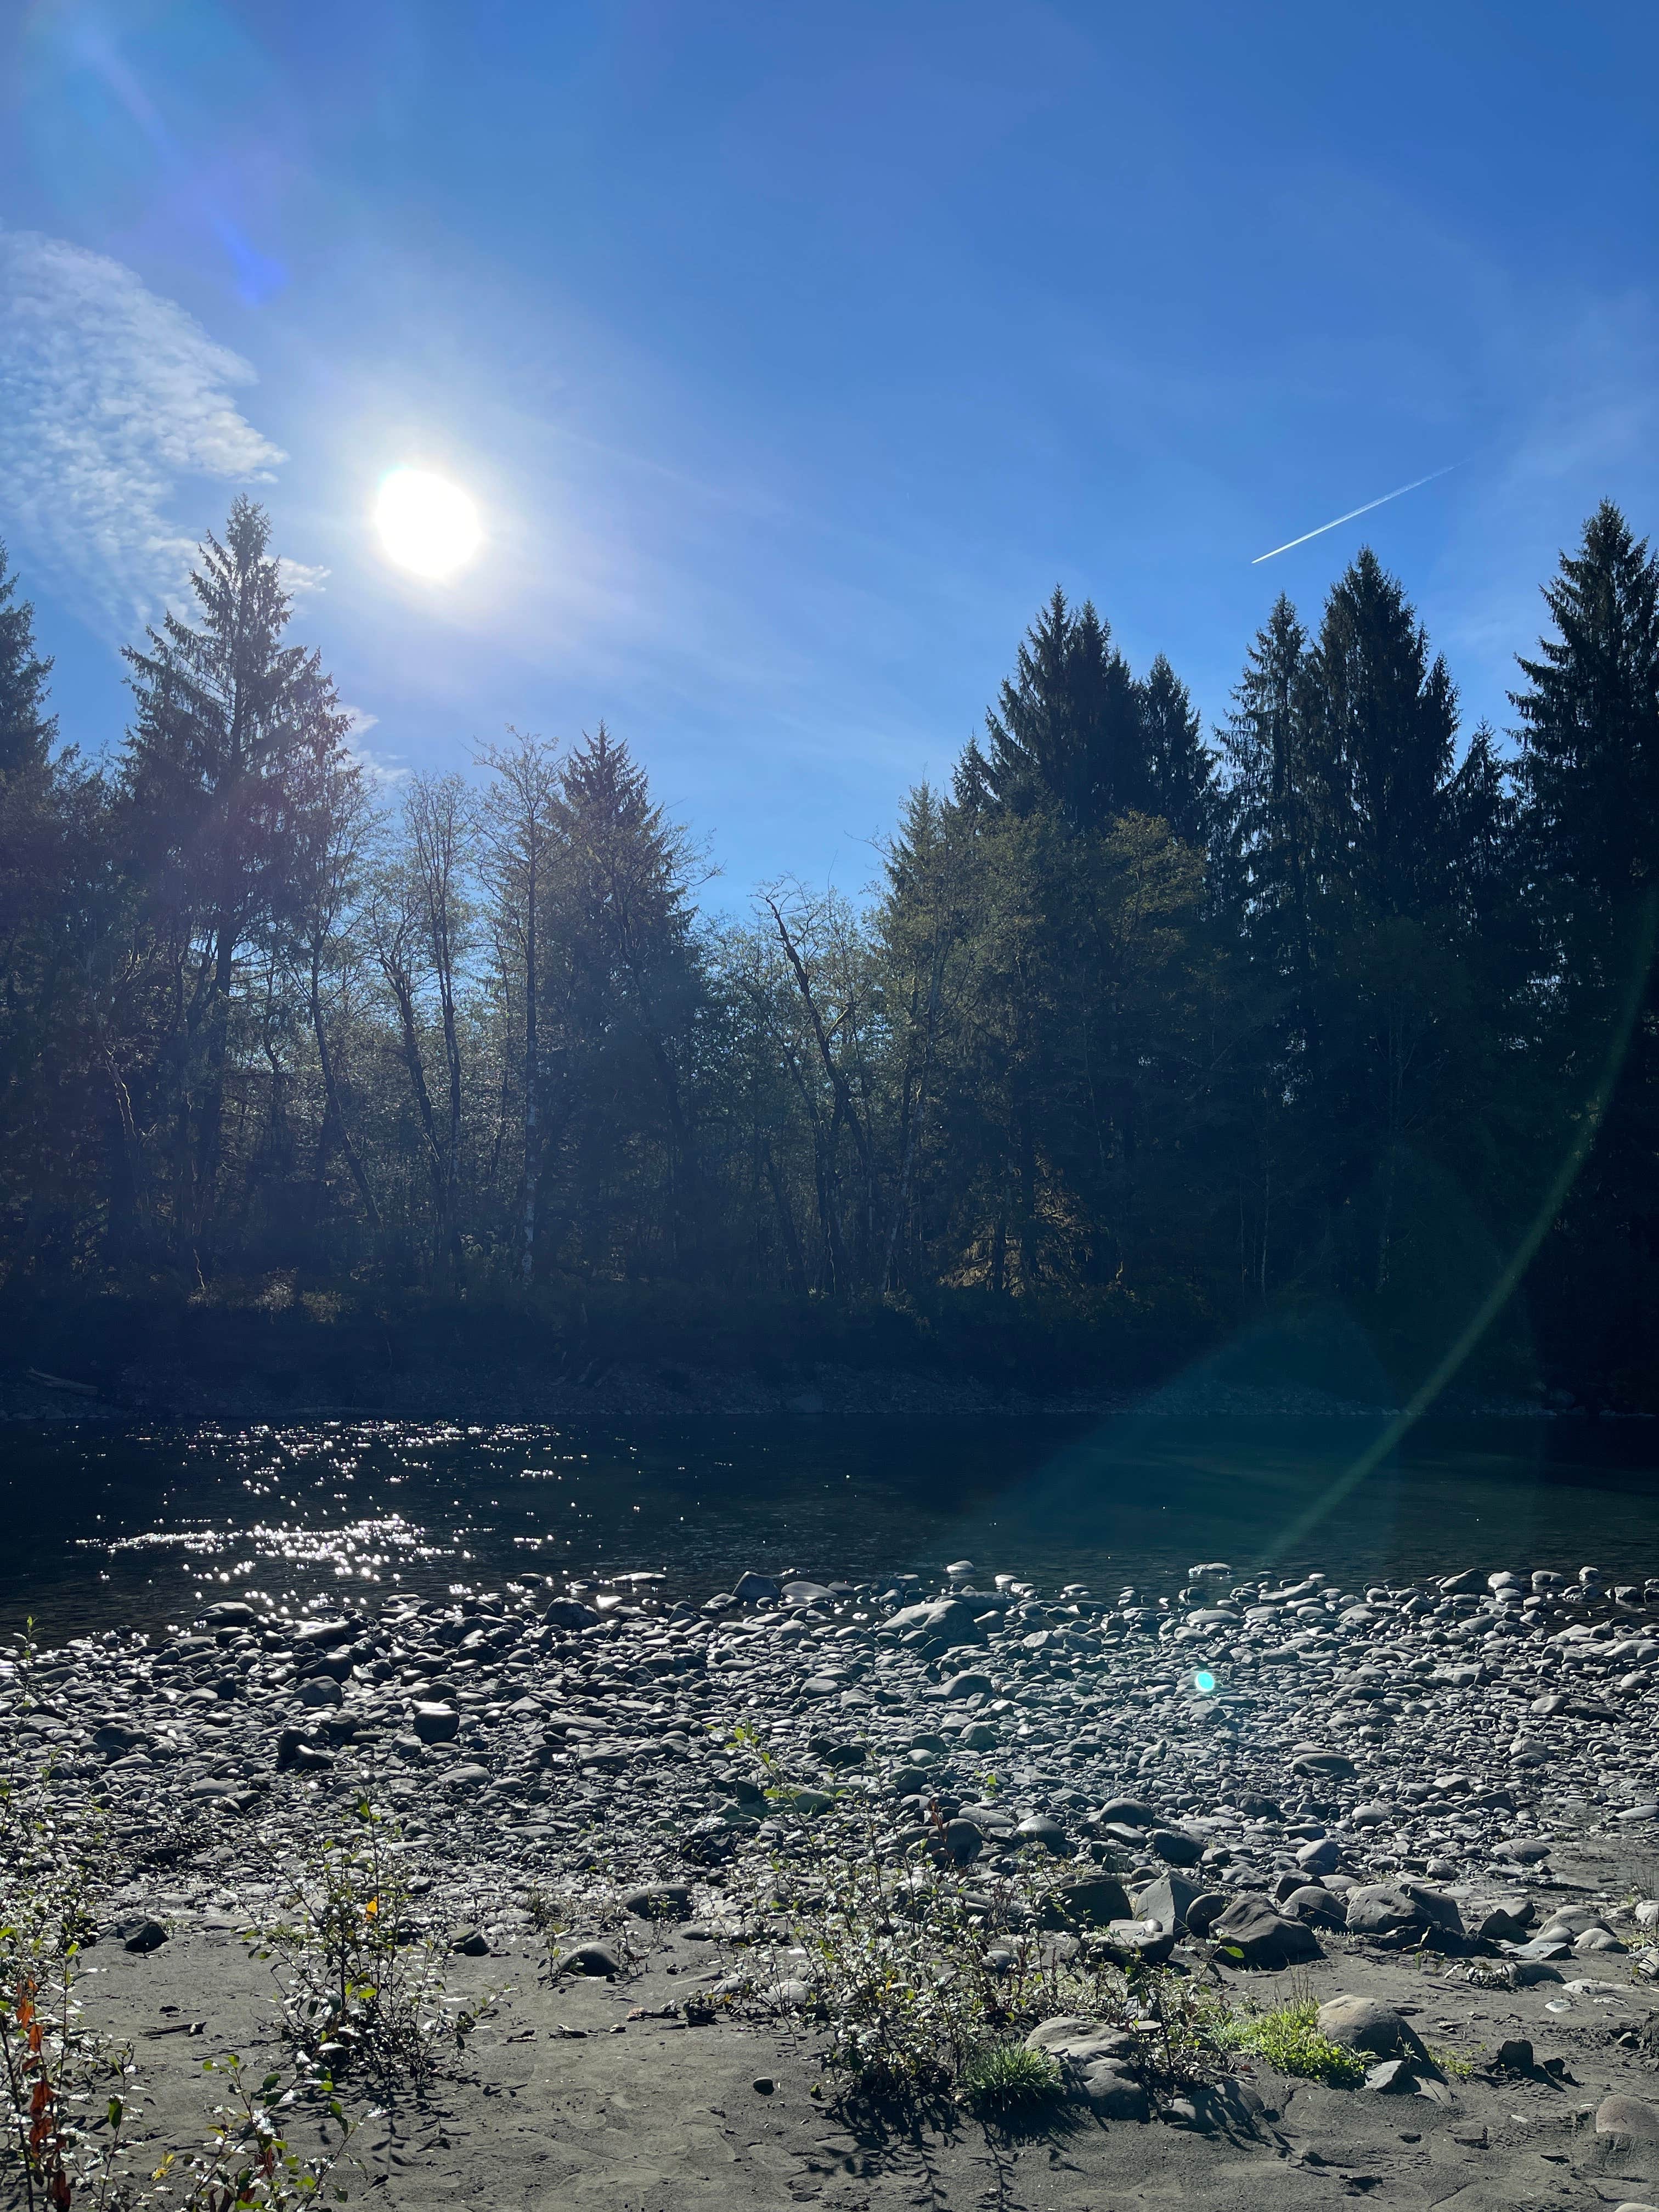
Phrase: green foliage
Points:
(1006, 2077)
(359, 1971)
(1136, 1043)
(1288, 2038)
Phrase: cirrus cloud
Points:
(109, 395)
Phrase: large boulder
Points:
(1071, 2035)
(1127, 1812)
(945, 1620)
(1397, 1908)
(1175, 1846)
(1630, 2117)
(1363, 2024)
(1092, 1900)
(1259, 1936)
(1165, 1901)
(570, 1612)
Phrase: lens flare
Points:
(1204, 1682)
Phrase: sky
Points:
(791, 353)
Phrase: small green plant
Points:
(1451, 2064)
(1289, 2038)
(1005, 2077)
(248, 2164)
(65, 2093)
(359, 1973)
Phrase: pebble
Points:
(1403, 1756)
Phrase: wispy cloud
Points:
(300, 577)
(385, 769)
(109, 396)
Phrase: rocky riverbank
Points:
(1440, 1799)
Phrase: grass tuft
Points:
(1004, 2076)
(1289, 2038)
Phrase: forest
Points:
(1142, 1032)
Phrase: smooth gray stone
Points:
(1164, 1900)
(1261, 1936)
(1364, 2024)
(1630, 2117)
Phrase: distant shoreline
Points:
(654, 1390)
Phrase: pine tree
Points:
(232, 726)
(1271, 801)
(1589, 774)
(1384, 729)
(1590, 758)
(1181, 769)
(1066, 730)
(27, 730)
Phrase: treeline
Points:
(1139, 1035)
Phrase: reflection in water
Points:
(140, 1527)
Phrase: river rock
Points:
(1112, 2094)
(1260, 1936)
(1630, 2117)
(570, 1612)
(660, 1900)
(1363, 2024)
(1165, 1901)
(1094, 1900)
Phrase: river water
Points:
(111, 1527)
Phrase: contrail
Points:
(1351, 512)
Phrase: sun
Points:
(426, 523)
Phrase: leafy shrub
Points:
(359, 1973)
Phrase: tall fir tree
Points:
(1066, 729)
(1589, 751)
(1589, 774)
(27, 730)
(1179, 768)
(1384, 733)
(232, 729)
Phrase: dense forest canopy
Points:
(1138, 1034)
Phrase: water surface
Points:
(138, 1527)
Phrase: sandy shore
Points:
(1442, 1798)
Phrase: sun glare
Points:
(427, 524)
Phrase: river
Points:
(139, 1527)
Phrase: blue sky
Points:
(791, 353)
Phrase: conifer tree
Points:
(1383, 729)
(1179, 768)
(1065, 730)
(231, 726)
(27, 730)
(1590, 757)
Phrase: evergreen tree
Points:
(232, 726)
(1384, 729)
(1589, 750)
(1179, 768)
(27, 730)
(1065, 730)
(1589, 774)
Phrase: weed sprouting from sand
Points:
(1289, 2038)
(248, 2163)
(359, 1971)
(913, 1966)
(1006, 2077)
(66, 2093)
